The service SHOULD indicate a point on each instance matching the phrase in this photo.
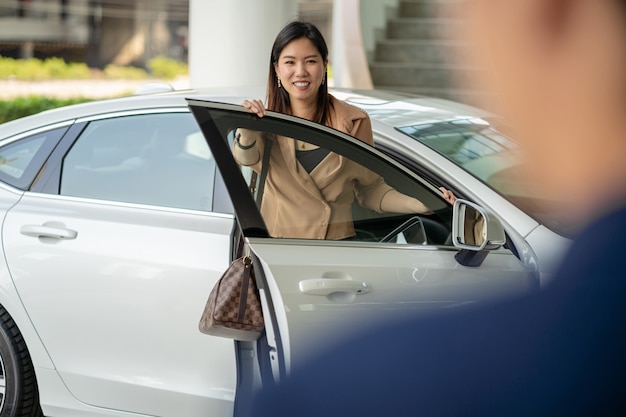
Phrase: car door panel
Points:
(385, 282)
(118, 325)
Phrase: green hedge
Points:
(25, 106)
(57, 69)
(166, 68)
(118, 72)
(36, 69)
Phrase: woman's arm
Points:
(248, 147)
(396, 202)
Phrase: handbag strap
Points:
(253, 180)
(245, 282)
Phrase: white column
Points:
(230, 40)
(350, 66)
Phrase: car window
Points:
(314, 193)
(21, 160)
(473, 144)
(478, 147)
(155, 159)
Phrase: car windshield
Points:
(479, 148)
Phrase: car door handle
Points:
(327, 286)
(44, 230)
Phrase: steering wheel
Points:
(406, 225)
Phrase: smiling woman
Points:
(297, 74)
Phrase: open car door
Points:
(317, 290)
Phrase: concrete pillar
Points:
(350, 66)
(27, 50)
(230, 41)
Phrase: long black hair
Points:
(277, 97)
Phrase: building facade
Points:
(97, 32)
(389, 44)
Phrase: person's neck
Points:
(303, 110)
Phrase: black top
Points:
(311, 158)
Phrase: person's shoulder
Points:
(350, 119)
(347, 110)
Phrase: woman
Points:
(297, 85)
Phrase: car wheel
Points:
(18, 385)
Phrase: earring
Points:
(279, 85)
(324, 79)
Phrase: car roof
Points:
(392, 108)
(398, 109)
(128, 103)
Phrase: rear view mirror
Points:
(474, 228)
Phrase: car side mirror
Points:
(475, 231)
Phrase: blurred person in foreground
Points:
(559, 67)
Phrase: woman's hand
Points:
(448, 195)
(255, 106)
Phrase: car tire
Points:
(18, 385)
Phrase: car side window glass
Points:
(313, 193)
(21, 160)
(153, 159)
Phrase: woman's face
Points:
(301, 70)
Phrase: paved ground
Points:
(77, 88)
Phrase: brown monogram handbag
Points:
(233, 309)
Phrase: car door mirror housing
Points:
(474, 228)
(475, 231)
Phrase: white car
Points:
(117, 222)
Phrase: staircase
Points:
(417, 53)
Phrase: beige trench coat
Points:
(318, 205)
